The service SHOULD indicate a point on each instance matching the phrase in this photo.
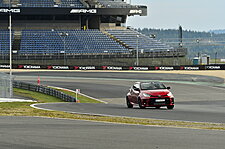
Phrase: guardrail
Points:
(44, 90)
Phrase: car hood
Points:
(162, 92)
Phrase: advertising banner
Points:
(29, 67)
(3, 66)
(58, 67)
(84, 68)
(135, 68)
(213, 67)
(139, 68)
(112, 68)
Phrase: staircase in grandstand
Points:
(16, 41)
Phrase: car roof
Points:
(147, 82)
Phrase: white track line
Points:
(107, 115)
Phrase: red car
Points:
(150, 94)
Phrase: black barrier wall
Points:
(44, 90)
(141, 68)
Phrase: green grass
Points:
(39, 97)
(82, 99)
(24, 109)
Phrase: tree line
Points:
(197, 42)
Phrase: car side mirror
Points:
(137, 89)
(168, 88)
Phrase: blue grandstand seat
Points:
(71, 3)
(115, 4)
(131, 38)
(37, 3)
(84, 42)
(4, 41)
(3, 4)
(76, 42)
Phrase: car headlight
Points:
(170, 95)
(146, 95)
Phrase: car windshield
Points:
(152, 86)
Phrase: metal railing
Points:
(44, 90)
(4, 85)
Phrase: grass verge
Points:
(24, 109)
(82, 99)
(39, 97)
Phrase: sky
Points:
(195, 15)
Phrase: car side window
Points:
(136, 86)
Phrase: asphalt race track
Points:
(194, 102)
(46, 133)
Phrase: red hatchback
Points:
(150, 94)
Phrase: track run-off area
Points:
(197, 99)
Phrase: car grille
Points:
(159, 96)
(153, 101)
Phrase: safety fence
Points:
(44, 90)
(66, 67)
(4, 85)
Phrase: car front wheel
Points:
(129, 105)
(140, 104)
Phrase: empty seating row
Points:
(37, 3)
(135, 39)
(79, 41)
(4, 42)
(71, 3)
(3, 4)
(115, 4)
(68, 41)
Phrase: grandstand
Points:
(4, 42)
(76, 29)
(115, 3)
(77, 42)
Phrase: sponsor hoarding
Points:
(164, 68)
(58, 67)
(189, 68)
(29, 67)
(4, 66)
(139, 68)
(112, 68)
(84, 68)
(213, 67)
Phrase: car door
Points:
(135, 93)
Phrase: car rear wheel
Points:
(129, 105)
(170, 107)
(140, 104)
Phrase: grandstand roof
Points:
(51, 7)
(68, 3)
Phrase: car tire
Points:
(158, 107)
(170, 107)
(140, 104)
(129, 105)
